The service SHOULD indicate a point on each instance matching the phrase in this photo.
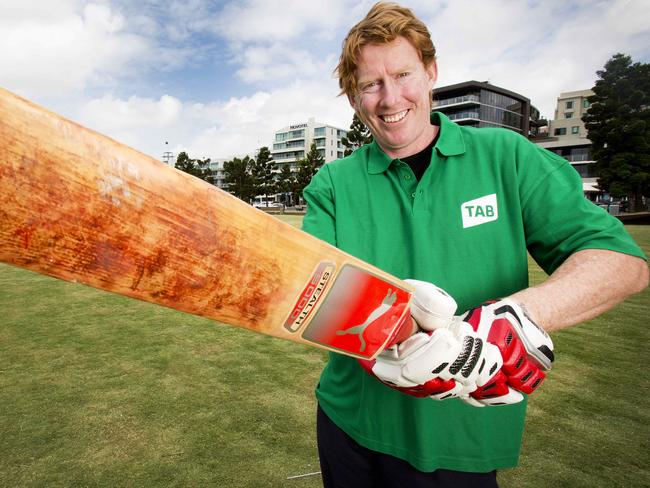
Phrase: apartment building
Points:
(481, 104)
(292, 143)
(567, 136)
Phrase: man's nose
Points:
(390, 93)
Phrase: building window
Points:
(560, 131)
(568, 115)
(585, 170)
(575, 129)
(569, 105)
(319, 131)
(585, 104)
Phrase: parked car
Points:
(271, 205)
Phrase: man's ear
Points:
(353, 102)
(432, 73)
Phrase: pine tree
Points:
(618, 125)
(262, 172)
(238, 178)
(285, 181)
(307, 168)
(357, 136)
(196, 167)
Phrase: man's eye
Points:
(370, 87)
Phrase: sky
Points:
(217, 78)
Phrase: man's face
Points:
(393, 96)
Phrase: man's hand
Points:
(449, 362)
(526, 349)
(482, 358)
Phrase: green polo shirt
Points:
(487, 197)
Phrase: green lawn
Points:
(99, 390)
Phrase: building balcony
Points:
(464, 116)
(579, 158)
(456, 101)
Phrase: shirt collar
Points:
(450, 143)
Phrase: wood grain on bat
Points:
(81, 207)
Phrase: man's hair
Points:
(384, 23)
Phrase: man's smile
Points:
(394, 117)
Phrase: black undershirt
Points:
(420, 162)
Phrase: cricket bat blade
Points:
(82, 207)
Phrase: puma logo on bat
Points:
(360, 329)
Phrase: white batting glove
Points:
(449, 360)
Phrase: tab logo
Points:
(479, 211)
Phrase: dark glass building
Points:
(481, 104)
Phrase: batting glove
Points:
(526, 349)
(483, 360)
(448, 360)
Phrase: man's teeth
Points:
(394, 118)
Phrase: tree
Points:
(262, 172)
(285, 181)
(618, 125)
(196, 167)
(307, 168)
(238, 178)
(357, 136)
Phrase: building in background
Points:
(567, 136)
(216, 167)
(480, 104)
(292, 143)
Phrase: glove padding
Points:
(447, 363)
(526, 349)
(482, 361)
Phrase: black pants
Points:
(346, 464)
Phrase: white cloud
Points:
(536, 49)
(62, 53)
(278, 20)
(275, 41)
(219, 129)
(273, 65)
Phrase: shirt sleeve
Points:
(320, 219)
(558, 219)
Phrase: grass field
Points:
(98, 390)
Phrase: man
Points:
(408, 203)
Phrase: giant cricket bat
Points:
(81, 207)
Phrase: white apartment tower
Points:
(567, 137)
(292, 143)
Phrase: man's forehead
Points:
(391, 57)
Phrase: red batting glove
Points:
(526, 349)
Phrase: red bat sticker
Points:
(359, 315)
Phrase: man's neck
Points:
(430, 134)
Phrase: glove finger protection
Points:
(526, 349)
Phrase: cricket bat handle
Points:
(431, 308)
